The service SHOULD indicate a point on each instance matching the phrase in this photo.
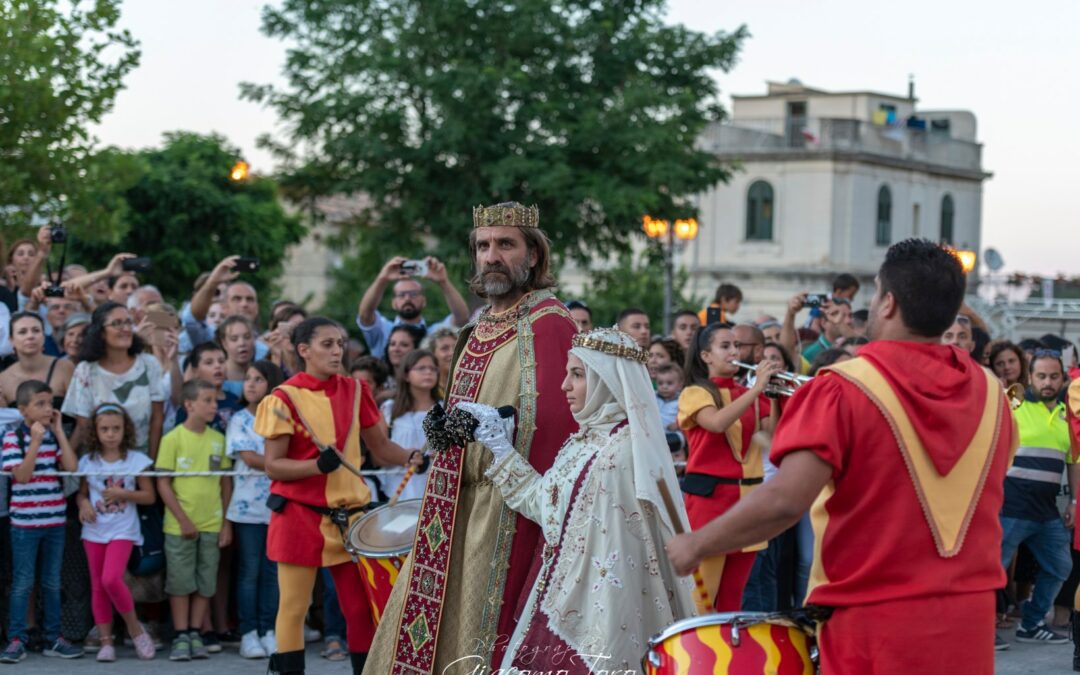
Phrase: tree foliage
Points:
(61, 67)
(636, 281)
(186, 215)
(588, 109)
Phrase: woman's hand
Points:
(766, 371)
(492, 430)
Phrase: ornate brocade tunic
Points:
(457, 595)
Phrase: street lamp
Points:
(239, 171)
(967, 259)
(684, 230)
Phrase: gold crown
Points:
(509, 214)
(601, 340)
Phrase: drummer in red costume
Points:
(720, 418)
(906, 485)
(313, 498)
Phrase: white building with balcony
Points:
(825, 182)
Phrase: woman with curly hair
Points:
(114, 369)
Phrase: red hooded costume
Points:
(907, 537)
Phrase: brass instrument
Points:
(1015, 394)
(788, 382)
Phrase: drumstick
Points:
(308, 435)
(699, 584)
(401, 486)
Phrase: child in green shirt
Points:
(195, 527)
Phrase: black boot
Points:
(1076, 640)
(358, 661)
(287, 663)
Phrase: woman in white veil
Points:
(604, 585)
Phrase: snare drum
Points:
(735, 643)
(381, 539)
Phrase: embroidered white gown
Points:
(604, 586)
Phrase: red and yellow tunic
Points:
(730, 455)
(334, 410)
(919, 437)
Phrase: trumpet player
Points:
(720, 418)
(906, 485)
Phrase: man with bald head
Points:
(750, 342)
(408, 302)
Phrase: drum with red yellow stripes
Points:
(381, 540)
(735, 643)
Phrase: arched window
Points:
(948, 210)
(884, 216)
(759, 212)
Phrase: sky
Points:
(1016, 70)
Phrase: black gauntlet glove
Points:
(328, 460)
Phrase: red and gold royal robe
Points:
(336, 409)
(919, 437)
(458, 594)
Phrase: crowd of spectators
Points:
(102, 375)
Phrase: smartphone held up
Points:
(415, 268)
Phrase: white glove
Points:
(494, 432)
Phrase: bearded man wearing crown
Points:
(457, 598)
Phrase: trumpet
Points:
(1015, 395)
(787, 383)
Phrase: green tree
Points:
(186, 215)
(588, 109)
(636, 281)
(60, 71)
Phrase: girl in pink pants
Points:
(110, 527)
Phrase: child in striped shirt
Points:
(31, 452)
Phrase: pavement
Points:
(1019, 658)
(227, 662)
(1029, 658)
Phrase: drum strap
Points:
(340, 517)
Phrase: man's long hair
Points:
(540, 276)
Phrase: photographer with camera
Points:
(31, 273)
(408, 300)
(836, 323)
(239, 297)
(87, 287)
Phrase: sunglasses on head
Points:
(1042, 353)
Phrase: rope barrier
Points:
(179, 474)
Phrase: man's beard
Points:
(499, 281)
(409, 311)
(1048, 395)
